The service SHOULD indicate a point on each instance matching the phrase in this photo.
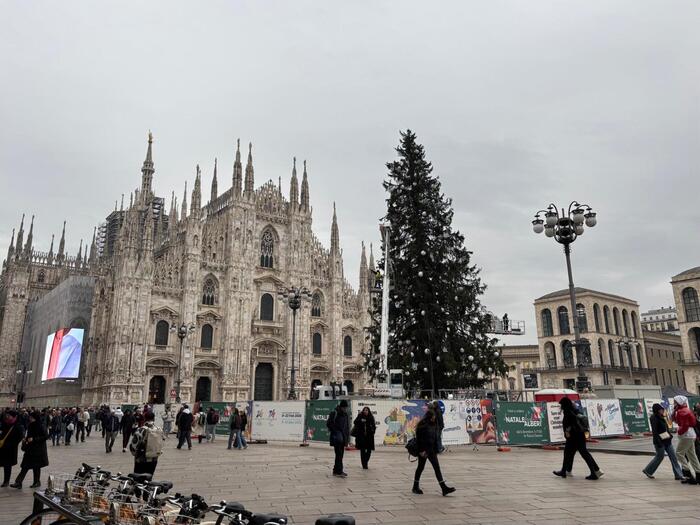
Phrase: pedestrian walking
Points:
(91, 420)
(363, 429)
(110, 426)
(212, 420)
(168, 419)
(11, 434)
(575, 427)
(686, 421)
(55, 428)
(339, 426)
(126, 425)
(198, 427)
(241, 442)
(440, 424)
(82, 418)
(146, 445)
(35, 456)
(662, 443)
(427, 444)
(234, 426)
(69, 422)
(184, 428)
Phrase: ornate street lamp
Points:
(294, 296)
(625, 344)
(566, 227)
(23, 372)
(182, 332)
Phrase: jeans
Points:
(80, 432)
(167, 427)
(55, 437)
(69, 433)
(666, 447)
(686, 455)
(240, 440)
(578, 445)
(184, 436)
(210, 432)
(339, 449)
(432, 457)
(88, 428)
(109, 440)
(233, 437)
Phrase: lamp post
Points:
(293, 296)
(22, 372)
(625, 344)
(182, 332)
(566, 227)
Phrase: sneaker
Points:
(647, 474)
(592, 477)
(599, 473)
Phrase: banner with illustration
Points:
(479, 420)
(316, 417)
(396, 419)
(453, 415)
(634, 416)
(604, 417)
(555, 421)
(225, 410)
(521, 423)
(278, 420)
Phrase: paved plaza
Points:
(493, 487)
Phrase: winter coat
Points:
(659, 425)
(364, 432)
(244, 421)
(235, 422)
(571, 426)
(8, 452)
(35, 453)
(184, 422)
(126, 425)
(339, 426)
(111, 423)
(685, 419)
(427, 437)
(56, 423)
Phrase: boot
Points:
(560, 473)
(445, 489)
(416, 488)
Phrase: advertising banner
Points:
(62, 354)
(634, 416)
(455, 431)
(555, 421)
(396, 419)
(604, 417)
(479, 420)
(316, 417)
(649, 404)
(522, 423)
(225, 410)
(278, 420)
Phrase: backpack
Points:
(582, 422)
(154, 442)
(137, 442)
(215, 418)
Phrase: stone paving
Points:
(492, 487)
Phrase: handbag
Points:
(354, 431)
(2, 441)
(664, 436)
(70, 427)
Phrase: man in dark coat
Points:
(184, 428)
(36, 456)
(339, 429)
(11, 434)
(110, 427)
(127, 427)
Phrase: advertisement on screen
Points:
(64, 349)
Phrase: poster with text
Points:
(225, 410)
(521, 423)
(555, 421)
(455, 431)
(479, 420)
(396, 419)
(278, 420)
(634, 416)
(604, 417)
(316, 416)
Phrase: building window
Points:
(600, 350)
(209, 292)
(606, 318)
(511, 383)
(622, 355)
(568, 354)
(582, 321)
(207, 338)
(691, 304)
(626, 323)
(616, 320)
(678, 381)
(634, 324)
(316, 305)
(162, 331)
(563, 317)
(639, 356)
(596, 317)
(550, 355)
(547, 329)
(347, 346)
(267, 308)
(267, 247)
(317, 343)
(611, 352)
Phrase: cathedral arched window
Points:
(207, 336)
(162, 331)
(316, 305)
(317, 344)
(267, 307)
(209, 292)
(267, 248)
(347, 346)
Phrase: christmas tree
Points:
(438, 328)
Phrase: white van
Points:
(326, 392)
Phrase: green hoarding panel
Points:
(316, 417)
(225, 410)
(522, 423)
(634, 416)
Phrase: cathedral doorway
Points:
(156, 390)
(349, 385)
(263, 382)
(203, 391)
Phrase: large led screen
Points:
(64, 349)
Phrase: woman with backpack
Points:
(662, 443)
(575, 427)
(363, 429)
(146, 445)
(427, 447)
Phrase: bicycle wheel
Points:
(46, 517)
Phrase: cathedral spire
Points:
(304, 191)
(214, 185)
(249, 173)
(62, 244)
(122, 206)
(172, 219)
(147, 171)
(50, 257)
(93, 246)
(237, 171)
(364, 281)
(183, 211)
(30, 238)
(294, 188)
(371, 259)
(79, 258)
(11, 248)
(196, 194)
(335, 236)
(20, 239)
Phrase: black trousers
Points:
(432, 457)
(7, 473)
(80, 432)
(126, 435)
(145, 467)
(339, 453)
(365, 454)
(184, 435)
(578, 445)
(23, 472)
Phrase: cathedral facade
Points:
(189, 298)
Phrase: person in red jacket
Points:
(686, 421)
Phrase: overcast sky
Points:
(518, 104)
